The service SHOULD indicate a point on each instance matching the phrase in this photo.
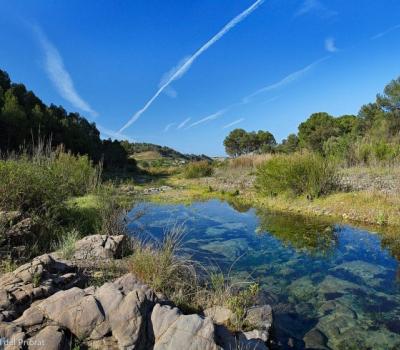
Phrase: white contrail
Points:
(233, 123)
(380, 35)
(168, 126)
(285, 81)
(59, 75)
(281, 83)
(113, 134)
(187, 63)
(209, 117)
(181, 125)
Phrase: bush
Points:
(297, 174)
(41, 182)
(198, 169)
(38, 185)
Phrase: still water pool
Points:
(331, 286)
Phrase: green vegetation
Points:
(240, 142)
(369, 138)
(197, 169)
(61, 195)
(24, 118)
(297, 174)
(163, 267)
(159, 151)
(66, 244)
(39, 182)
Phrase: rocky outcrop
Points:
(15, 232)
(100, 247)
(33, 281)
(45, 304)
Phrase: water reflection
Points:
(312, 235)
(332, 286)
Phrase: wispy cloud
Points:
(59, 75)
(168, 126)
(233, 123)
(330, 45)
(169, 90)
(380, 35)
(208, 118)
(314, 6)
(113, 134)
(285, 81)
(184, 67)
(181, 125)
(290, 78)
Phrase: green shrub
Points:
(297, 174)
(198, 169)
(40, 183)
(66, 244)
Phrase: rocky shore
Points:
(49, 304)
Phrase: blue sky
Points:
(270, 68)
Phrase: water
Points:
(331, 286)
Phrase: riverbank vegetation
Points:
(346, 167)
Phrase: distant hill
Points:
(150, 151)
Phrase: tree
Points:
(318, 128)
(235, 142)
(265, 141)
(289, 145)
(240, 142)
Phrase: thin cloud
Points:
(181, 125)
(208, 118)
(169, 90)
(314, 6)
(183, 68)
(58, 74)
(380, 35)
(330, 45)
(285, 81)
(168, 126)
(113, 134)
(292, 77)
(233, 123)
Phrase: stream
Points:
(331, 286)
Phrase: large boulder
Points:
(172, 330)
(117, 313)
(100, 247)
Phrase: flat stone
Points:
(219, 314)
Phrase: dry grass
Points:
(148, 155)
(251, 161)
(192, 287)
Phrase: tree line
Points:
(24, 119)
(373, 135)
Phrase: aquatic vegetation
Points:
(329, 283)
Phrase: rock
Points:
(36, 280)
(261, 318)
(315, 339)
(50, 337)
(172, 330)
(252, 341)
(218, 314)
(100, 247)
(127, 305)
(75, 311)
